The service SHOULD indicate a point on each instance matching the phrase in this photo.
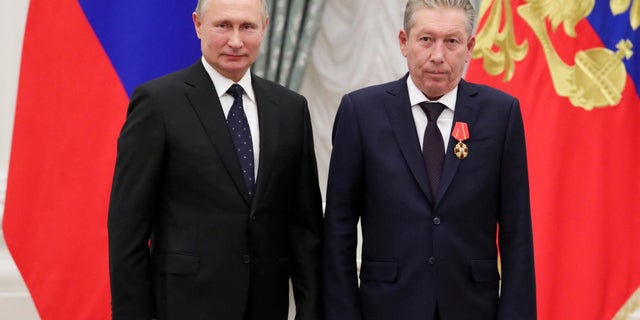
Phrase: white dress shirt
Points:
(445, 120)
(249, 104)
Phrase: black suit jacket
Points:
(417, 250)
(214, 252)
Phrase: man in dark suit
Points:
(215, 202)
(430, 214)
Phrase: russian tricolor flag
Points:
(581, 107)
(80, 61)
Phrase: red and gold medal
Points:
(461, 133)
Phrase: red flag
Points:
(575, 66)
(69, 111)
(80, 59)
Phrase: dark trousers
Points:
(247, 313)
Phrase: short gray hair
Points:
(264, 8)
(414, 5)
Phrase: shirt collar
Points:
(416, 96)
(223, 84)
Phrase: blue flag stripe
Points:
(612, 29)
(144, 39)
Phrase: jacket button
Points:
(436, 221)
(432, 260)
(253, 217)
(246, 259)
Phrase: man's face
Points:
(436, 47)
(230, 33)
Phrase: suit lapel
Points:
(206, 104)
(466, 111)
(268, 117)
(398, 109)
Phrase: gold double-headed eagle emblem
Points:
(597, 78)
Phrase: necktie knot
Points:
(235, 91)
(432, 109)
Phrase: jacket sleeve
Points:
(344, 204)
(133, 202)
(518, 290)
(306, 232)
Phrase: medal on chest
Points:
(461, 133)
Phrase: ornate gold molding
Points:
(598, 76)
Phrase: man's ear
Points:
(470, 45)
(403, 38)
(197, 24)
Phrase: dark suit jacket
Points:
(178, 184)
(416, 250)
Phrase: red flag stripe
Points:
(70, 107)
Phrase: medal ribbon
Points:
(460, 131)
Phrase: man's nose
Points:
(437, 54)
(235, 41)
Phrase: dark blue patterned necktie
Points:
(433, 145)
(241, 135)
